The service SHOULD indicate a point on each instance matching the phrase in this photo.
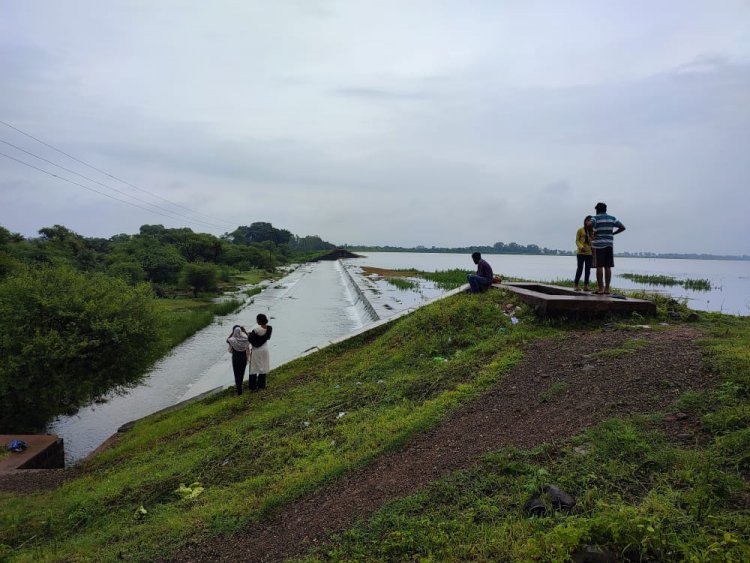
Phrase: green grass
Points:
(184, 317)
(254, 276)
(552, 391)
(640, 495)
(403, 284)
(694, 284)
(253, 291)
(254, 453)
(628, 347)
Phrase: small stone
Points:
(535, 507)
(545, 375)
(559, 498)
(681, 416)
(670, 418)
(685, 436)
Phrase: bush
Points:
(131, 272)
(200, 276)
(67, 338)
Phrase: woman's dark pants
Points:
(583, 260)
(239, 363)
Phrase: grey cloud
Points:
(380, 94)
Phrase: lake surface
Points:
(730, 279)
(317, 303)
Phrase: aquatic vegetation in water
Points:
(403, 284)
(694, 284)
(444, 279)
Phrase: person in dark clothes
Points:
(482, 280)
(239, 347)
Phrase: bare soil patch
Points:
(561, 388)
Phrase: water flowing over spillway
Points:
(309, 307)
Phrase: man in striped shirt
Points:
(605, 228)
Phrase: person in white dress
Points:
(259, 357)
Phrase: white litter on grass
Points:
(514, 320)
(342, 414)
(306, 423)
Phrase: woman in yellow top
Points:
(583, 253)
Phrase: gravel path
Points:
(592, 386)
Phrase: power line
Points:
(185, 217)
(111, 175)
(90, 188)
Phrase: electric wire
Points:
(185, 217)
(177, 218)
(113, 176)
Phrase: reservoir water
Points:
(730, 279)
(320, 302)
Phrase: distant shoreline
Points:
(484, 250)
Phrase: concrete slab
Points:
(552, 300)
(44, 451)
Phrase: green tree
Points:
(128, 270)
(200, 276)
(66, 338)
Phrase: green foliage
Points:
(552, 391)
(694, 284)
(66, 338)
(200, 276)
(402, 284)
(130, 271)
(260, 232)
(227, 307)
(446, 279)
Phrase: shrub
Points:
(200, 276)
(67, 338)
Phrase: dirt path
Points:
(593, 386)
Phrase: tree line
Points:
(79, 315)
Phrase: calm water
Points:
(730, 279)
(316, 303)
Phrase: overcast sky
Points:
(398, 122)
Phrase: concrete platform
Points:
(552, 300)
(44, 451)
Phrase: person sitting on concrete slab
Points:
(482, 280)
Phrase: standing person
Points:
(239, 347)
(605, 227)
(583, 254)
(259, 357)
(482, 280)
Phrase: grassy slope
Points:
(640, 495)
(252, 454)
